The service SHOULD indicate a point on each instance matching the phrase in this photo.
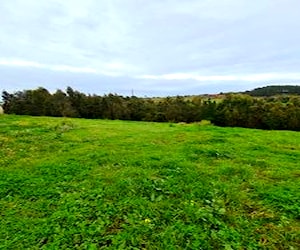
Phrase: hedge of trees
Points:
(277, 112)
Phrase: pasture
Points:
(99, 184)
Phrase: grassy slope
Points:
(91, 184)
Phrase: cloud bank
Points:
(156, 47)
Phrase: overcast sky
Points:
(153, 47)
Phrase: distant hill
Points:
(274, 90)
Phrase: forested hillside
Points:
(275, 90)
(276, 112)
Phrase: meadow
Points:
(69, 183)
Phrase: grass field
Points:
(97, 184)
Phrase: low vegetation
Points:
(70, 183)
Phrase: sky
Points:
(150, 48)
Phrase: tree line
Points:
(277, 112)
(275, 90)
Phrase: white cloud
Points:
(220, 78)
(25, 63)
(203, 41)
(108, 69)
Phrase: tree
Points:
(7, 99)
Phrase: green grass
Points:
(97, 184)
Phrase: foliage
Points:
(275, 90)
(70, 183)
(262, 113)
(40, 102)
(276, 112)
